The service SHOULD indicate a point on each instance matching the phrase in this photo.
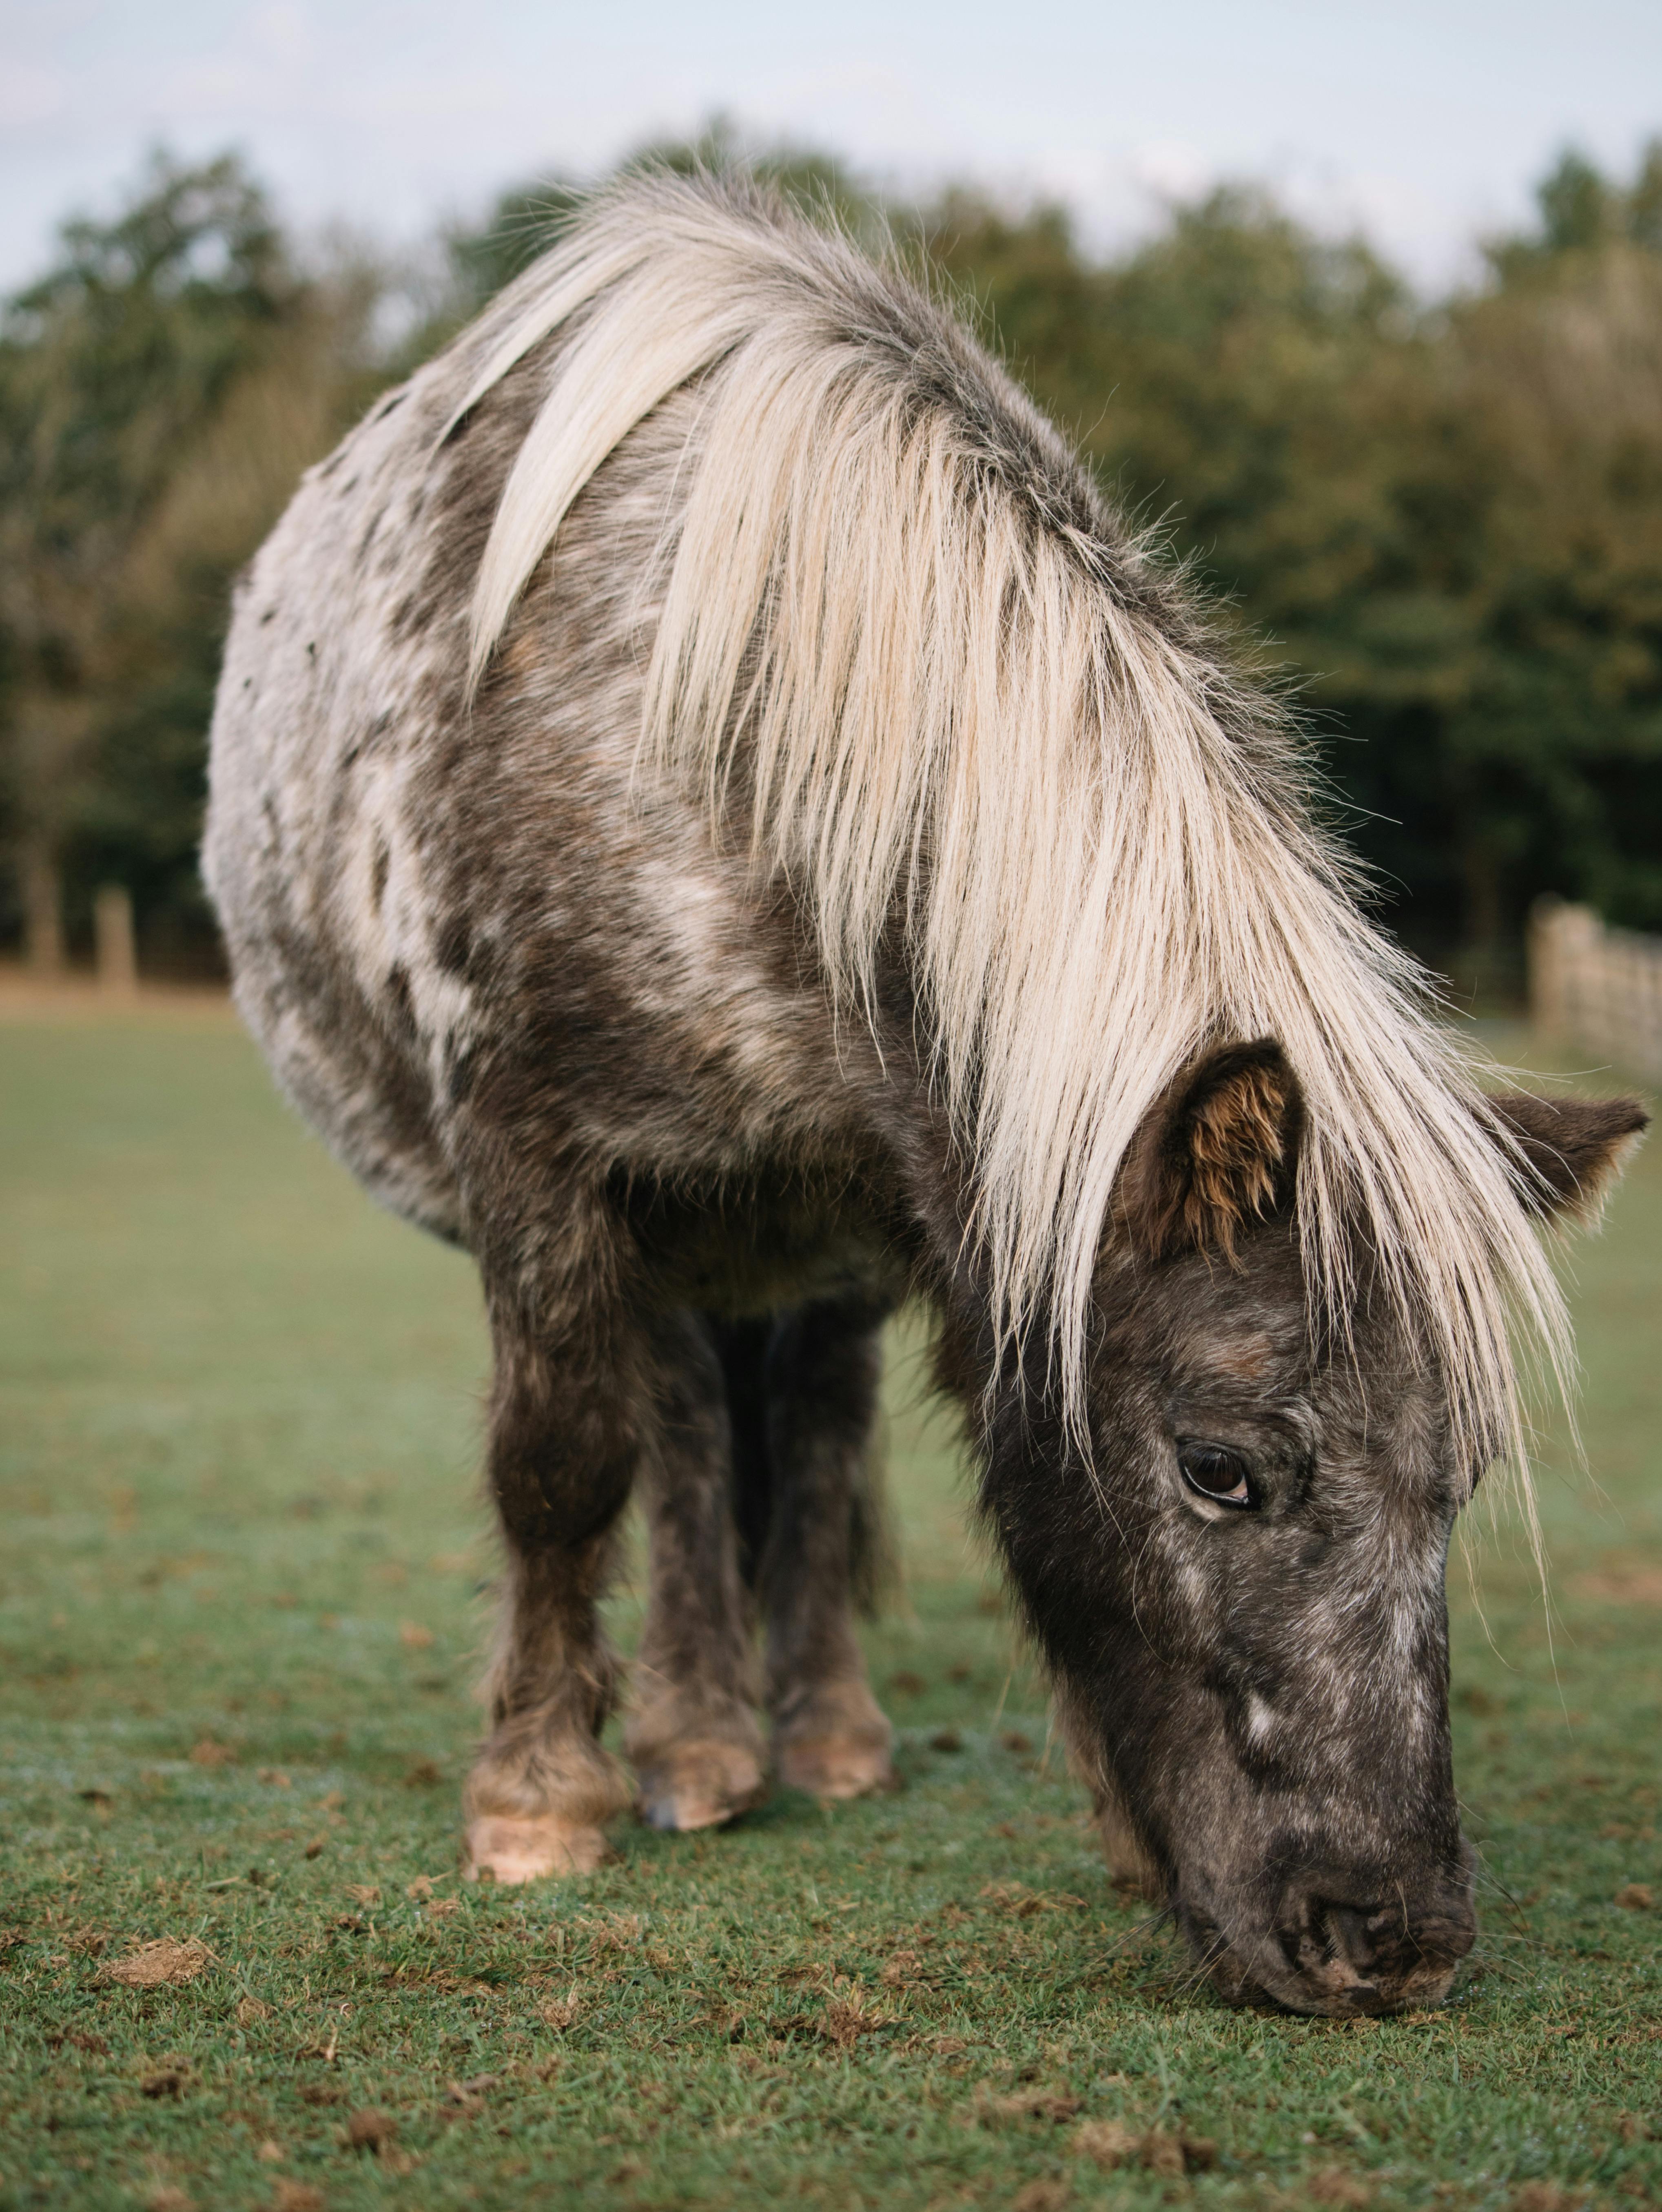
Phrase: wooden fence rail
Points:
(1596, 989)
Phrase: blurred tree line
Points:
(1442, 525)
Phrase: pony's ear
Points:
(1573, 1149)
(1215, 1153)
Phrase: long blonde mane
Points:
(897, 619)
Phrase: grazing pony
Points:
(713, 811)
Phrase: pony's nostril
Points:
(1352, 1932)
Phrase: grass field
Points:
(240, 1602)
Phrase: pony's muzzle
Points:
(1339, 1946)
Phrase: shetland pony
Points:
(712, 811)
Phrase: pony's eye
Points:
(1215, 1472)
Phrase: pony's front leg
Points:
(692, 1732)
(565, 1438)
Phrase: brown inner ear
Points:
(1574, 1148)
(1215, 1153)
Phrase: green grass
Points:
(239, 1609)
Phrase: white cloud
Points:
(284, 33)
(1170, 169)
(30, 95)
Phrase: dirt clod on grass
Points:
(1024, 1903)
(155, 1964)
(1333, 2185)
(93, 2046)
(845, 2021)
(1041, 2196)
(297, 2197)
(1053, 2105)
(1635, 1896)
(371, 2130)
(1108, 2143)
(461, 2093)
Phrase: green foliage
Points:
(114, 355)
(241, 1609)
(122, 514)
(108, 366)
(1582, 211)
(139, 821)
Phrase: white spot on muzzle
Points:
(1260, 1717)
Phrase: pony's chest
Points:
(773, 1241)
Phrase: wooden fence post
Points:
(43, 911)
(1557, 944)
(112, 935)
(1596, 989)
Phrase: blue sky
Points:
(1423, 121)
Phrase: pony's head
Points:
(1243, 1597)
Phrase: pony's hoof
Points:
(836, 1762)
(700, 1785)
(515, 1850)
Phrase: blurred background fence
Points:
(1437, 523)
(1596, 989)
